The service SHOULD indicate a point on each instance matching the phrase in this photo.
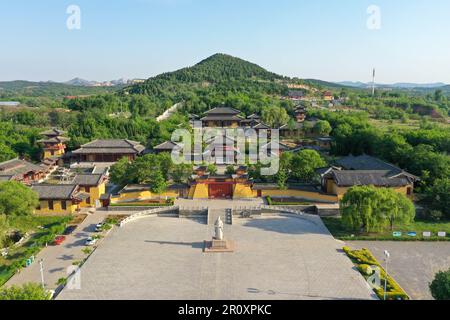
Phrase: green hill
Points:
(219, 69)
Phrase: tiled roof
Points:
(55, 191)
(88, 179)
(53, 132)
(111, 146)
(379, 178)
(365, 162)
(168, 145)
(17, 166)
(222, 110)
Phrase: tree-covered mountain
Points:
(217, 70)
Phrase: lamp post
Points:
(41, 267)
(386, 255)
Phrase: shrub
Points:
(365, 269)
(440, 286)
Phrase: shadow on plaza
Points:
(298, 295)
(194, 245)
(288, 225)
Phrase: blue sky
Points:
(323, 39)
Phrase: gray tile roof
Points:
(222, 110)
(111, 146)
(365, 162)
(17, 166)
(379, 178)
(53, 132)
(55, 191)
(168, 145)
(88, 179)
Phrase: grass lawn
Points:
(339, 231)
(32, 226)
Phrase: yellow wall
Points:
(199, 191)
(57, 208)
(340, 191)
(242, 191)
(309, 195)
(142, 195)
(48, 154)
(94, 194)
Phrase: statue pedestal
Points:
(217, 246)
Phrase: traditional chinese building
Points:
(58, 199)
(53, 143)
(222, 117)
(22, 171)
(365, 170)
(204, 185)
(108, 151)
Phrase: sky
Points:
(333, 40)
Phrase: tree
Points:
(322, 128)
(440, 286)
(212, 169)
(371, 209)
(181, 172)
(304, 164)
(17, 199)
(230, 169)
(274, 116)
(437, 196)
(158, 183)
(118, 172)
(28, 291)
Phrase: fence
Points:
(146, 213)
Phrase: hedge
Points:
(364, 259)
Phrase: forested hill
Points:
(219, 69)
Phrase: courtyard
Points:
(276, 257)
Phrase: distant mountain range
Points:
(400, 85)
(112, 83)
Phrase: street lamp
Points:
(386, 255)
(41, 267)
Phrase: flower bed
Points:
(364, 260)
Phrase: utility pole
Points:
(373, 83)
(41, 267)
(387, 255)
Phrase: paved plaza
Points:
(276, 257)
(412, 264)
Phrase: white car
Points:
(91, 241)
(99, 227)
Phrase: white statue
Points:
(218, 229)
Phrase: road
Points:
(57, 259)
(412, 264)
(166, 115)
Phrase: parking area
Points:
(412, 264)
(276, 257)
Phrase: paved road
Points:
(168, 113)
(58, 258)
(412, 264)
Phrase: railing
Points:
(145, 213)
(284, 209)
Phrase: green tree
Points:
(371, 209)
(28, 291)
(158, 183)
(118, 172)
(440, 286)
(17, 199)
(181, 172)
(304, 164)
(274, 116)
(437, 196)
(230, 169)
(322, 128)
(212, 169)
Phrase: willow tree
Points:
(372, 209)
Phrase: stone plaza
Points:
(276, 257)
